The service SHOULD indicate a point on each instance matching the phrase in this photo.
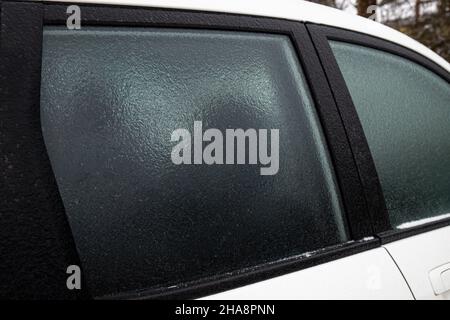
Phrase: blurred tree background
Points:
(427, 21)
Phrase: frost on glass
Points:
(405, 113)
(111, 99)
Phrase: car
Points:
(220, 150)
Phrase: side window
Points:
(184, 154)
(405, 112)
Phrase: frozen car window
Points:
(123, 113)
(405, 113)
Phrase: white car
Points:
(220, 149)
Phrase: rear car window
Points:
(150, 201)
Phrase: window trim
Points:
(350, 186)
(321, 35)
(220, 283)
(36, 239)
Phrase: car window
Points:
(184, 154)
(404, 109)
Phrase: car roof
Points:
(297, 10)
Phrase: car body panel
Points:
(418, 255)
(367, 275)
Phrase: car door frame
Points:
(365, 215)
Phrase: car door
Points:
(402, 101)
(104, 113)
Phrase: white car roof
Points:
(287, 9)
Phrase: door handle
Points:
(440, 279)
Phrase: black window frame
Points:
(321, 36)
(339, 141)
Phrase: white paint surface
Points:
(417, 256)
(368, 275)
(286, 9)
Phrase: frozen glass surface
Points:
(405, 113)
(110, 100)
